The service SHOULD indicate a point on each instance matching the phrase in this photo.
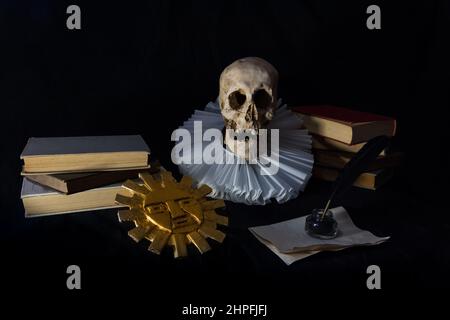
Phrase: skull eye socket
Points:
(236, 99)
(262, 99)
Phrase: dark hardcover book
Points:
(83, 154)
(70, 183)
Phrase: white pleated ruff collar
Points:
(243, 182)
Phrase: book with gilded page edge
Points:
(345, 125)
(322, 143)
(39, 200)
(84, 154)
(69, 183)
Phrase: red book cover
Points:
(340, 114)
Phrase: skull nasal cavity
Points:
(262, 99)
(236, 99)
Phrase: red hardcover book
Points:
(345, 125)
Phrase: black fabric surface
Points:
(143, 68)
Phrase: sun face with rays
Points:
(169, 212)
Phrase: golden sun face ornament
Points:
(167, 212)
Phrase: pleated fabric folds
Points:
(243, 182)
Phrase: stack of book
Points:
(72, 174)
(338, 133)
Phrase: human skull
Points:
(248, 98)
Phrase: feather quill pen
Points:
(355, 167)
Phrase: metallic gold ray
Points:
(126, 215)
(200, 242)
(209, 224)
(121, 199)
(159, 242)
(132, 202)
(186, 182)
(215, 234)
(178, 241)
(134, 187)
(152, 234)
(213, 216)
(202, 191)
(167, 181)
(151, 184)
(138, 233)
(213, 204)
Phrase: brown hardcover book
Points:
(345, 125)
(84, 154)
(368, 180)
(70, 183)
(323, 143)
(336, 159)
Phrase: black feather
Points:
(357, 165)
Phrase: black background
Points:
(142, 68)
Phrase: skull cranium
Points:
(248, 98)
